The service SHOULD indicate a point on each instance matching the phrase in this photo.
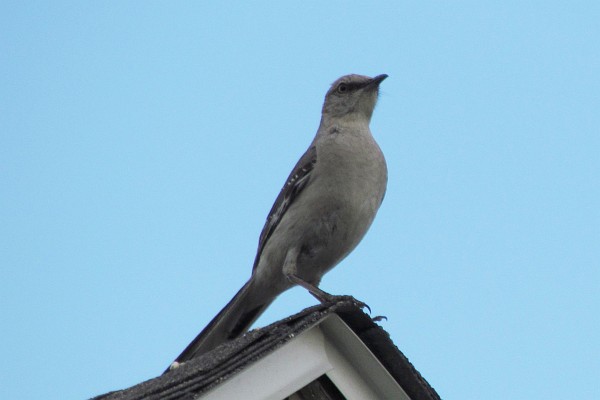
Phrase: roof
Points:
(214, 369)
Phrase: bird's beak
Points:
(374, 82)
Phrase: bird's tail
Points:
(232, 321)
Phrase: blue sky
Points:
(143, 143)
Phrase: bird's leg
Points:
(323, 296)
(290, 271)
(317, 293)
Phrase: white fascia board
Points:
(356, 371)
(279, 374)
(330, 347)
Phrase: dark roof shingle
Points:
(202, 373)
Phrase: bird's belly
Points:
(330, 234)
(342, 209)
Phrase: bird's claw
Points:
(379, 318)
(344, 298)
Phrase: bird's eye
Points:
(342, 88)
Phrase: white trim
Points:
(357, 373)
(279, 374)
(330, 347)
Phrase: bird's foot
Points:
(323, 296)
(350, 299)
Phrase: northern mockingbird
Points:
(322, 212)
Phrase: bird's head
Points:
(352, 97)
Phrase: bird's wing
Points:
(289, 193)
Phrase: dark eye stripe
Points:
(349, 86)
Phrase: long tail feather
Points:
(232, 321)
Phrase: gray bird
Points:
(322, 212)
